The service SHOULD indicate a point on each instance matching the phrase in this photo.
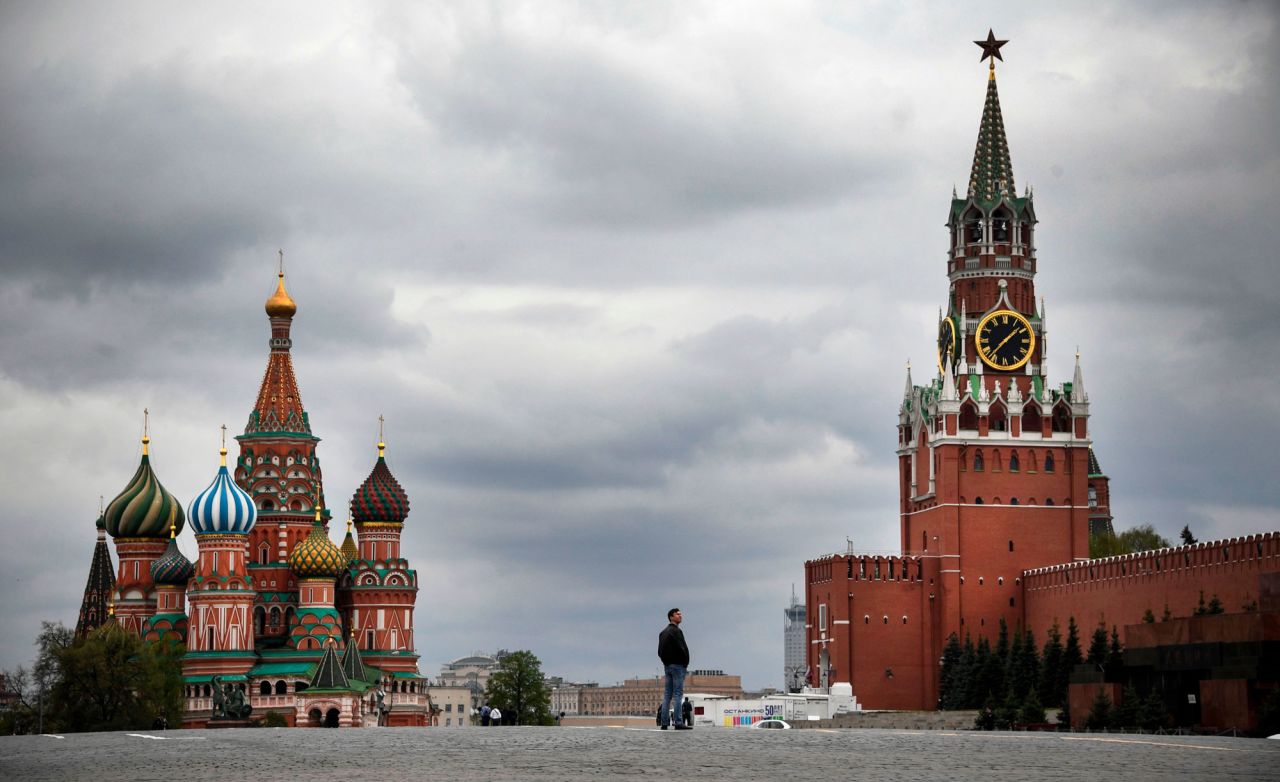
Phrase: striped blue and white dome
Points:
(222, 509)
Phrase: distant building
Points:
(452, 706)
(644, 696)
(472, 672)
(567, 697)
(793, 645)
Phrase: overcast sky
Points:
(634, 284)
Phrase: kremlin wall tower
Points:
(999, 493)
(275, 617)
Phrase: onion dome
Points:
(349, 548)
(281, 304)
(223, 508)
(317, 557)
(380, 497)
(172, 568)
(145, 509)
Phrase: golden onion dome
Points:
(281, 304)
(317, 557)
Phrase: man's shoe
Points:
(683, 727)
(662, 727)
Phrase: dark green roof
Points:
(283, 669)
(329, 674)
(1095, 469)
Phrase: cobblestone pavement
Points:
(614, 753)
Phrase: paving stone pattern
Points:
(391, 755)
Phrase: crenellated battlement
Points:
(866, 567)
(1195, 558)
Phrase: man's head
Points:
(674, 617)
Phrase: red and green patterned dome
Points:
(172, 568)
(317, 557)
(380, 497)
(145, 509)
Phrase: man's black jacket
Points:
(672, 649)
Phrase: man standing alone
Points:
(674, 654)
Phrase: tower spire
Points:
(279, 406)
(1077, 383)
(992, 174)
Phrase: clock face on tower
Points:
(946, 344)
(1005, 340)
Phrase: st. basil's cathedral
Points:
(275, 617)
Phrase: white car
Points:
(772, 725)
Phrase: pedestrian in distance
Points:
(687, 712)
(674, 653)
(485, 711)
(495, 716)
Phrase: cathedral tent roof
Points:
(352, 665)
(329, 674)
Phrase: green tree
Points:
(518, 688)
(988, 674)
(1007, 714)
(1153, 714)
(1142, 538)
(1032, 710)
(949, 688)
(966, 676)
(1071, 657)
(1052, 679)
(1098, 646)
(1105, 544)
(1187, 538)
(1128, 713)
(1115, 654)
(1215, 606)
(1148, 617)
(1100, 715)
(111, 680)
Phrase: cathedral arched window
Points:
(264, 688)
(1014, 464)
(977, 461)
(1048, 501)
(282, 688)
(1048, 461)
(977, 500)
(1013, 501)
(267, 504)
(997, 418)
(969, 415)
